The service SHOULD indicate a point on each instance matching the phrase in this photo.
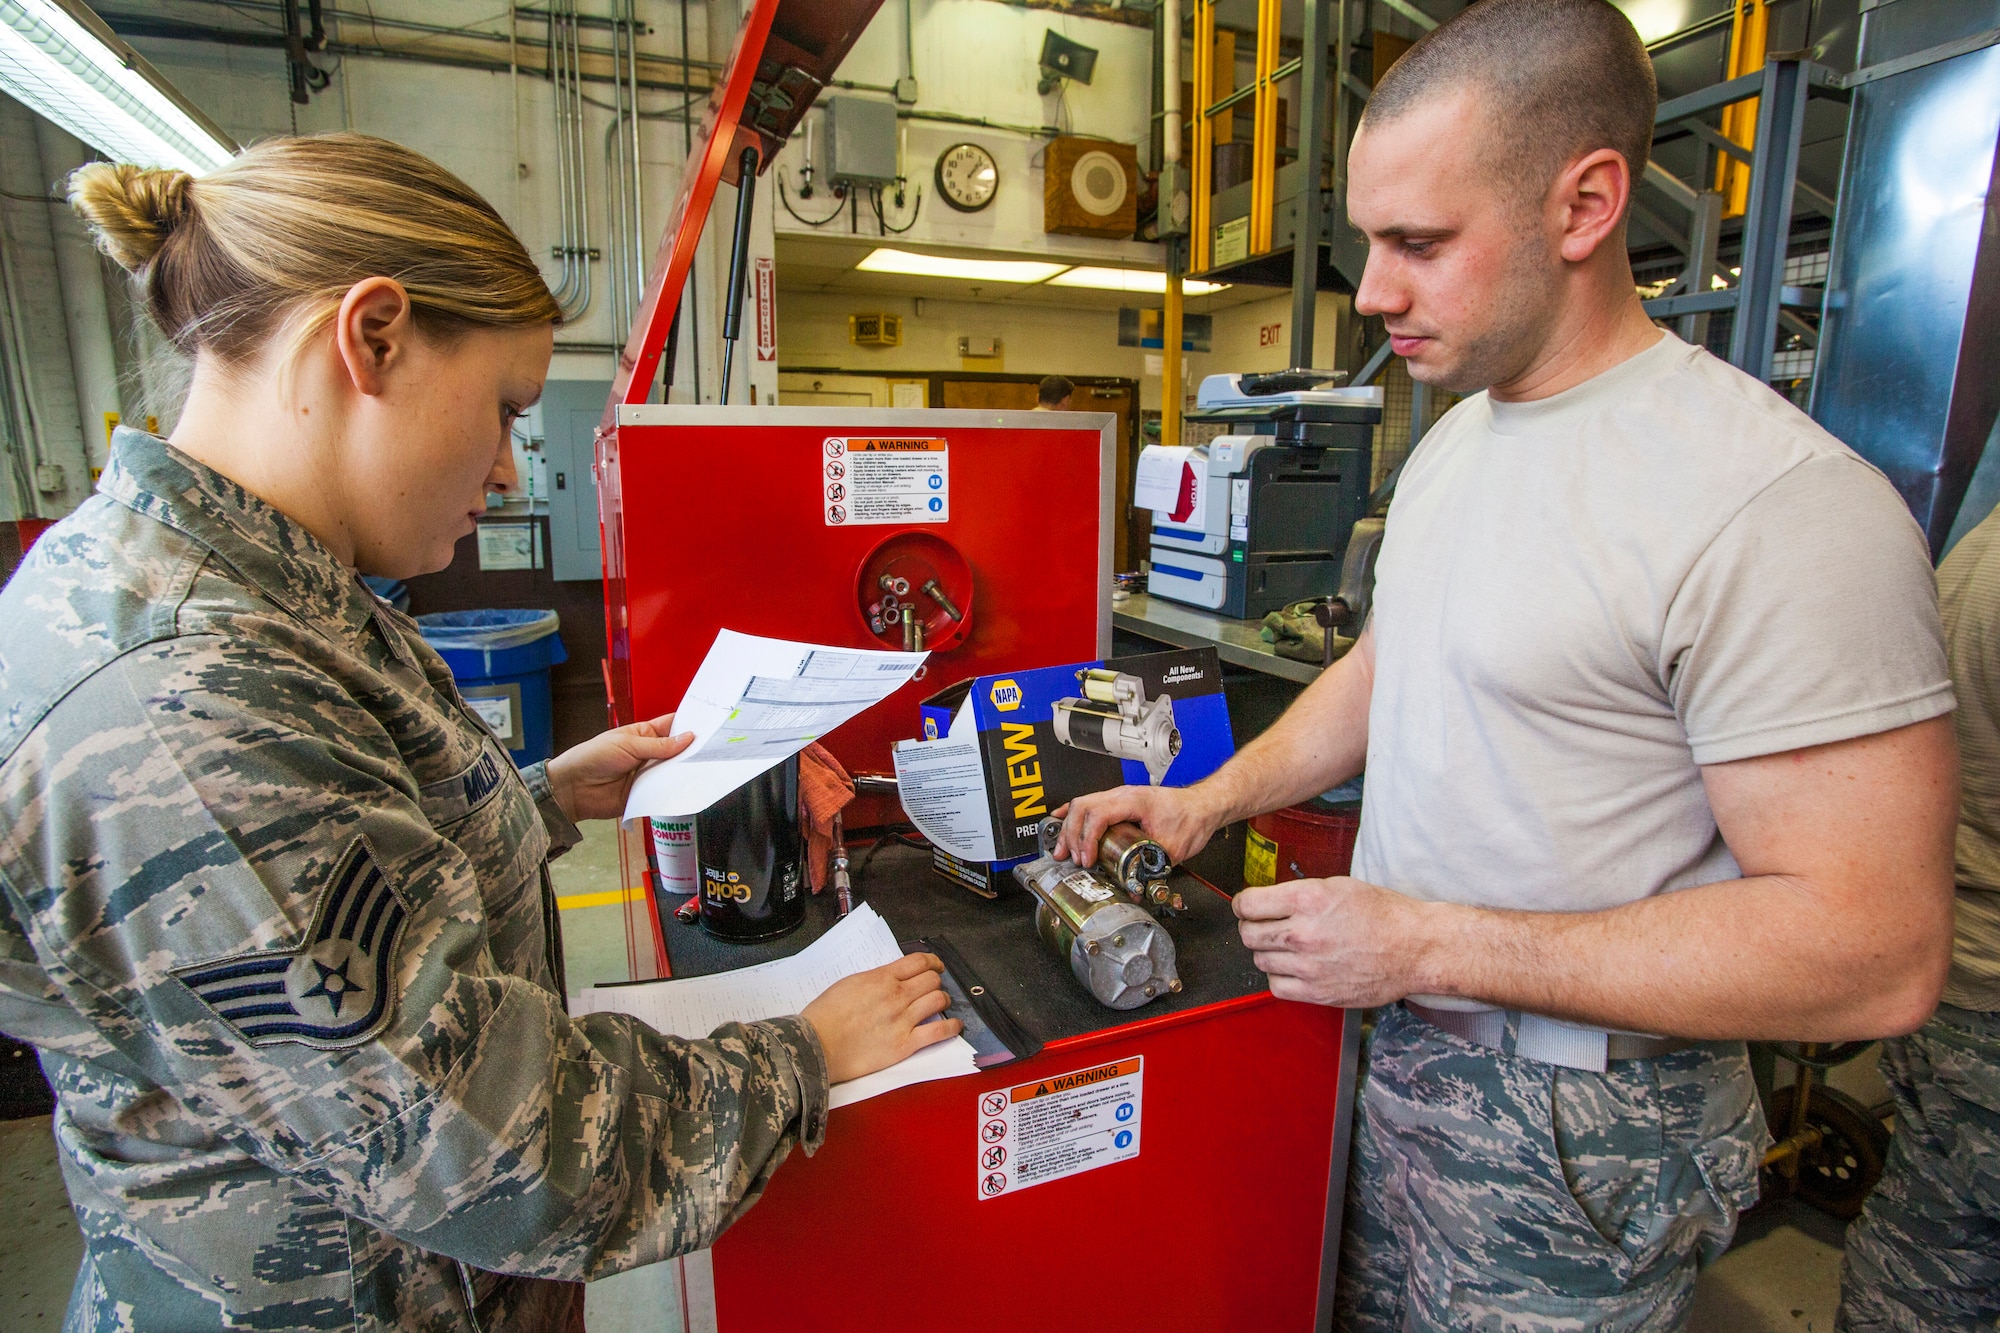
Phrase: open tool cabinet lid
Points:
(785, 52)
(784, 55)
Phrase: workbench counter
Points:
(1184, 626)
(997, 937)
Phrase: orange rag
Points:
(824, 791)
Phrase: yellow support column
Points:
(1170, 360)
(1264, 129)
(1749, 32)
(1200, 234)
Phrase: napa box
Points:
(1001, 753)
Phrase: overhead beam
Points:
(1412, 13)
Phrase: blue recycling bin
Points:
(501, 661)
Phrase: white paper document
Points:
(943, 786)
(1161, 477)
(753, 704)
(696, 1006)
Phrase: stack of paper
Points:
(753, 704)
(697, 1006)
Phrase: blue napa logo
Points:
(1006, 695)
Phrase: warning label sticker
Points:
(1033, 1133)
(885, 481)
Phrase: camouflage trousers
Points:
(1491, 1192)
(1925, 1256)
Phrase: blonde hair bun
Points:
(131, 210)
(275, 237)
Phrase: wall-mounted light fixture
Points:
(60, 59)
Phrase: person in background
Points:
(1636, 789)
(274, 905)
(1925, 1255)
(1054, 394)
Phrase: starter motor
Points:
(1113, 717)
(1129, 859)
(1116, 949)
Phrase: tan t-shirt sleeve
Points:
(1811, 618)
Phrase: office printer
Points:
(1259, 517)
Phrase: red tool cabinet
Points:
(1227, 1214)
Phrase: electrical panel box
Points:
(570, 412)
(861, 140)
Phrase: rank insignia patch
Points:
(332, 991)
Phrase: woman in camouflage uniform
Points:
(273, 904)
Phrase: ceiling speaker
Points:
(1089, 188)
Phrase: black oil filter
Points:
(751, 850)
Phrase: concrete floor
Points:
(39, 1257)
(1782, 1276)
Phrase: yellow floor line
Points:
(604, 899)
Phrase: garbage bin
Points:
(501, 661)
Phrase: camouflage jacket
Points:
(275, 908)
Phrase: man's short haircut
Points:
(1054, 389)
(1565, 78)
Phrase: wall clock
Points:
(967, 177)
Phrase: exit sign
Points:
(1268, 335)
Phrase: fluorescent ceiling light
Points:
(1137, 280)
(942, 266)
(60, 59)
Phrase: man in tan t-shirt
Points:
(1654, 713)
(1926, 1252)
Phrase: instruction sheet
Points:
(697, 1006)
(1060, 1126)
(753, 704)
(943, 787)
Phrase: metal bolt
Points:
(1091, 948)
(1151, 990)
(886, 583)
(909, 634)
(1117, 941)
(917, 634)
(1174, 985)
(936, 594)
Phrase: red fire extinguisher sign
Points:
(767, 313)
